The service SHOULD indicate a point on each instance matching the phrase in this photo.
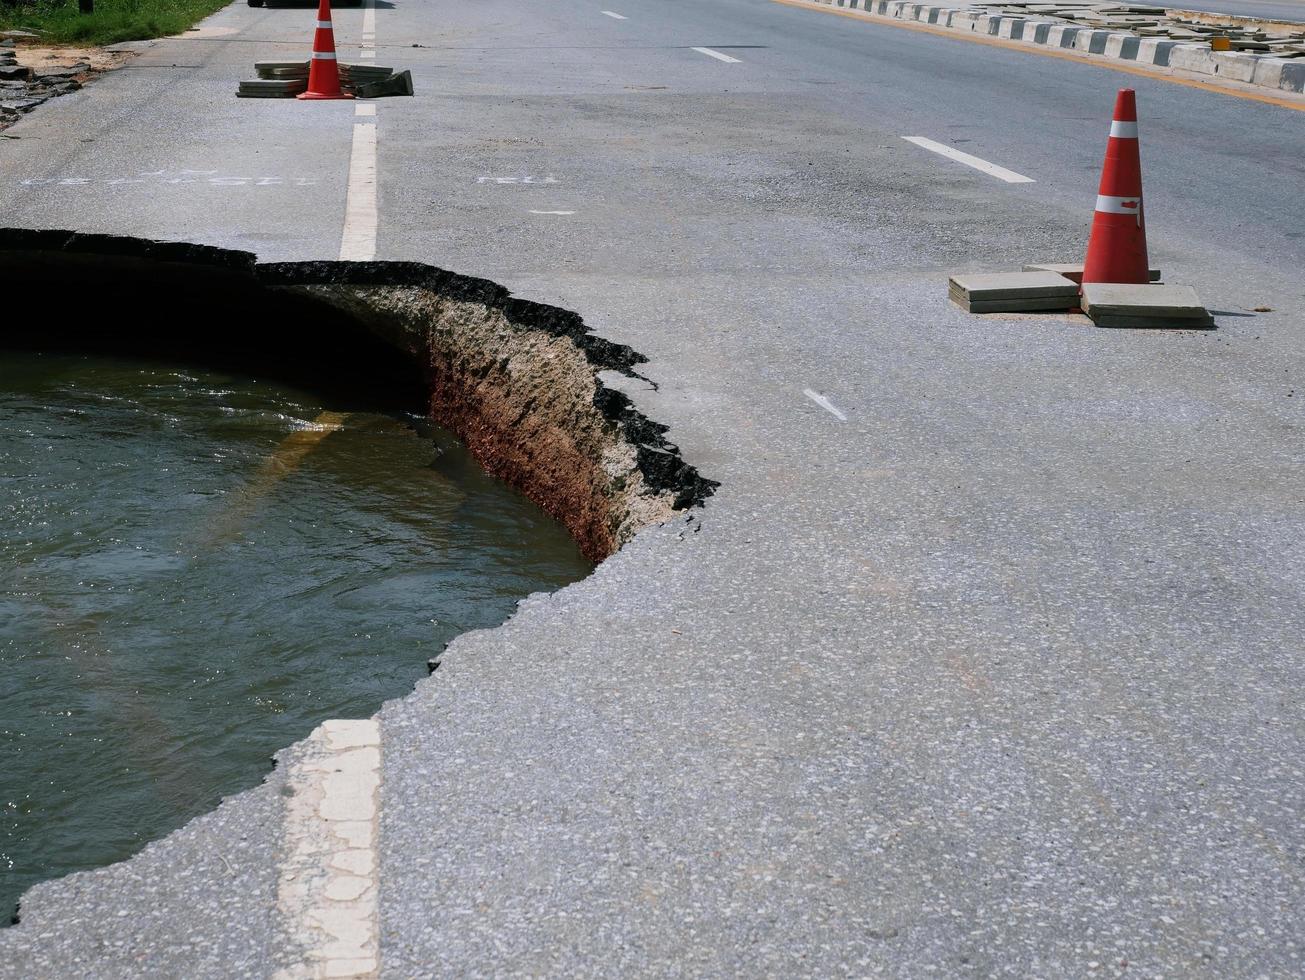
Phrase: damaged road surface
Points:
(984, 656)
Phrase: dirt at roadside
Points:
(32, 74)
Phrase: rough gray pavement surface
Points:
(994, 669)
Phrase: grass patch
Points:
(59, 21)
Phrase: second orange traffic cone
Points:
(323, 72)
(1117, 245)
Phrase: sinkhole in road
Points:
(241, 498)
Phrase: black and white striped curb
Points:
(1274, 73)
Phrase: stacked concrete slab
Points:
(1148, 306)
(1013, 292)
(276, 80)
(1052, 288)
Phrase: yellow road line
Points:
(1298, 105)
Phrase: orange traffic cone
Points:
(323, 72)
(1117, 246)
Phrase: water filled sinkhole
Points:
(239, 499)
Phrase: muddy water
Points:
(196, 568)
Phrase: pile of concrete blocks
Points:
(276, 80)
(373, 81)
(286, 79)
(1054, 288)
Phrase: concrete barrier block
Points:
(1152, 51)
(1293, 75)
(1041, 31)
(1122, 46)
(1063, 37)
(1268, 72)
(1011, 27)
(1091, 42)
(1238, 67)
(1279, 73)
(1193, 57)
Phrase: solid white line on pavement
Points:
(369, 17)
(824, 403)
(718, 56)
(533, 211)
(329, 879)
(608, 13)
(991, 169)
(358, 243)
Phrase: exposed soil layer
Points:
(516, 381)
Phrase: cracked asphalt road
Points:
(999, 674)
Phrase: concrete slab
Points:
(1131, 299)
(998, 292)
(1154, 322)
(1011, 285)
(1014, 305)
(1132, 305)
(1072, 270)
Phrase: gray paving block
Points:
(1132, 299)
(1038, 305)
(1072, 270)
(262, 66)
(1154, 322)
(271, 88)
(990, 286)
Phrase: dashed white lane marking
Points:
(364, 109)
(533, 211)
(369, 17)
(718, 56)
(358, 243)
(328, 879)
(1001, 173)
(824, 403)
(614, 16)
(367, 54)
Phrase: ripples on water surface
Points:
(196, 568)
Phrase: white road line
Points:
(358, 242)
(608, 13)
(328, 881)
(367, 54)
(718, 56)
(1001, 173)
(369, 17)
(533, 211)
(824, 403)
(364, 109)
